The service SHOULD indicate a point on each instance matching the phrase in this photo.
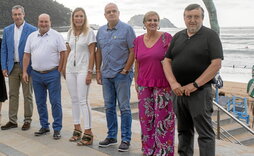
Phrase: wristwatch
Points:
(195, 85)
(125, 71)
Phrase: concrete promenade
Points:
(15, 142)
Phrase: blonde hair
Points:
(150, 13)
(85, 26)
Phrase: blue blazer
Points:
(7, 49)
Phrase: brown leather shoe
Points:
(26, 126)
(9, 125)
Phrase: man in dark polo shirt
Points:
(191, 62)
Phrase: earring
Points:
(144, 27)
(159, 27)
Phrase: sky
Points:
(230, 13)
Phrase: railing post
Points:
(218, 112)
(218, 123)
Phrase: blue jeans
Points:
(51, 82)
(118, 89)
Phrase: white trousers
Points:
(78, 91)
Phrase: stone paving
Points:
(16, 142)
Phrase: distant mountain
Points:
(60, 15)
(137, 20)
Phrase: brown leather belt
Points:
(46, 71)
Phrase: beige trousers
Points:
(15, 79)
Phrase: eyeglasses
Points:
(152, 20)
(111, 11)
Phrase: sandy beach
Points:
(236, 89)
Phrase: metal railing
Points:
(232, 117)
(227, 136)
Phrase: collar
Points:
(46, 34)
(116, 26)
(21, 27)
(197, 33)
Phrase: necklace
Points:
(150, 40)
(75, 52)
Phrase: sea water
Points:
(238, 48)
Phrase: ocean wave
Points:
(249, 52)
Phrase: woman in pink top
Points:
(156, 114)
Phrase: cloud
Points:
(230, 13)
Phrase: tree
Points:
(212, 15)
(60, 15)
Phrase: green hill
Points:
(60, 15)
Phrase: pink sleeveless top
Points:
(150, 70)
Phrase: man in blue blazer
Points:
(12, 51)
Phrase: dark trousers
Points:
(195, 111)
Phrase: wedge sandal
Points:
(76, 136)
(87, 139)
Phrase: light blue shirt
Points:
(114, 44)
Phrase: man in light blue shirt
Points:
(115, 52)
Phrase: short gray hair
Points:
(19, 7)
(111, 4)
(194, 6)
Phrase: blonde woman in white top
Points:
(79, 62)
